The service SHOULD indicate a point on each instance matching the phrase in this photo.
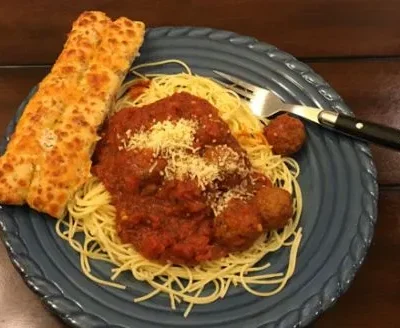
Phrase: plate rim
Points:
(71, 312)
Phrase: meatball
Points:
(275, 207)
(224, 157)
(238, 226)
(211, 130)
(145, 166)
(285, 134)
(231, 164)
(142, 173)
(185, 195)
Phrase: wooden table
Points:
(353, 44)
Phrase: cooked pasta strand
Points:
(91, 212)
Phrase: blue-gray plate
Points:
(338, 181)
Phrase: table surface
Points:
(353, 44)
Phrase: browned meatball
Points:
(238, 226)
(275, 206)
(285, 134)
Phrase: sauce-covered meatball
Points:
(238, 225)
(228, 160)
(285, 134)
(275, 206)
(186, 195)
(232, 165)
(140, 173)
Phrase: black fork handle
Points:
(368, 131)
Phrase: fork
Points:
(264, 103)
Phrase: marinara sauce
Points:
(171, 220)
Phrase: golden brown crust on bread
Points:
(66, 166)
(48, 157)
(15, 177)
(18, 165)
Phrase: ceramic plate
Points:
(338, 181)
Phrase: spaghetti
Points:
(92, 214)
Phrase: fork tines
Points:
(242, 88)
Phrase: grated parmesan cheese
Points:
(227, 159)
(164, 138)
(174, 142)
(184, 164)
(219, 201)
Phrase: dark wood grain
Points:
(373, 300)
(15, 84)
(371, 89)
(34, 31)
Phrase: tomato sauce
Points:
(138, 88)
(165, 220)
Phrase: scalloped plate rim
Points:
(229, 35)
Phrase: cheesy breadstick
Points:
(66, 166)
(33, 132)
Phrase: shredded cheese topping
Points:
(219, 201)
(183, 165)
(91, 211)
(229, 160)
(173, 140)
(164, 138)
